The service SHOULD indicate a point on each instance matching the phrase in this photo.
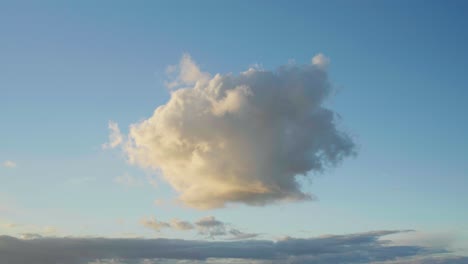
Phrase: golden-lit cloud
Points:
(243, 138)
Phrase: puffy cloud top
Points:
(241, 138)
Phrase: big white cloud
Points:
(241, 138)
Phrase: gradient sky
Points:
(68, 67)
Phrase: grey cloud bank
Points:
(353, 248)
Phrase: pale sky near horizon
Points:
(398, 75)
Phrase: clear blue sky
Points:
(68, 67)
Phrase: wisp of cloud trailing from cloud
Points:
(9, 164)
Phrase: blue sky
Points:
(67, 68)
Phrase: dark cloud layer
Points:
(354, 248)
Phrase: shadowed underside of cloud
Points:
(354, 248)
(240, 138)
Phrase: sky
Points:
(311, 131)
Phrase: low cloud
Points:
(181, 225)
(211, 227)
(207, 226)
(154, 224)
(353, 248)
(8, 225)
(238, 235)
(9, 164)
(30, 236)
(176, 224)
(243, 138)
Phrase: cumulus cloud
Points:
(115, 136)
(321, 61)
(353, 248)
(187, 73)
(9, 164)
(243, 138)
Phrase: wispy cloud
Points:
(9, 164)
(154, 224)
(115, 137)
(80, 180)
(212, 227)
(207, 226)
(181, 225)
(175, 223)
(8, 225)
(353, 248)
(27, 231)
(128, 180)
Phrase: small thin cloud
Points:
(80, 180)
(128, 180)
(154, 224)
(8, 225)
(115, 136)
(238, 235)
(152, 180)
(181, 225)
(9, 164)
(211, 227)
(175, 223)
(29, 236)
(158, 202)
(208, 226)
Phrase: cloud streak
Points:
(128, 180)
(353, 248)
(176, 224)
(115, 136)
(207, 226)
(9, 164)
(243, 138)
